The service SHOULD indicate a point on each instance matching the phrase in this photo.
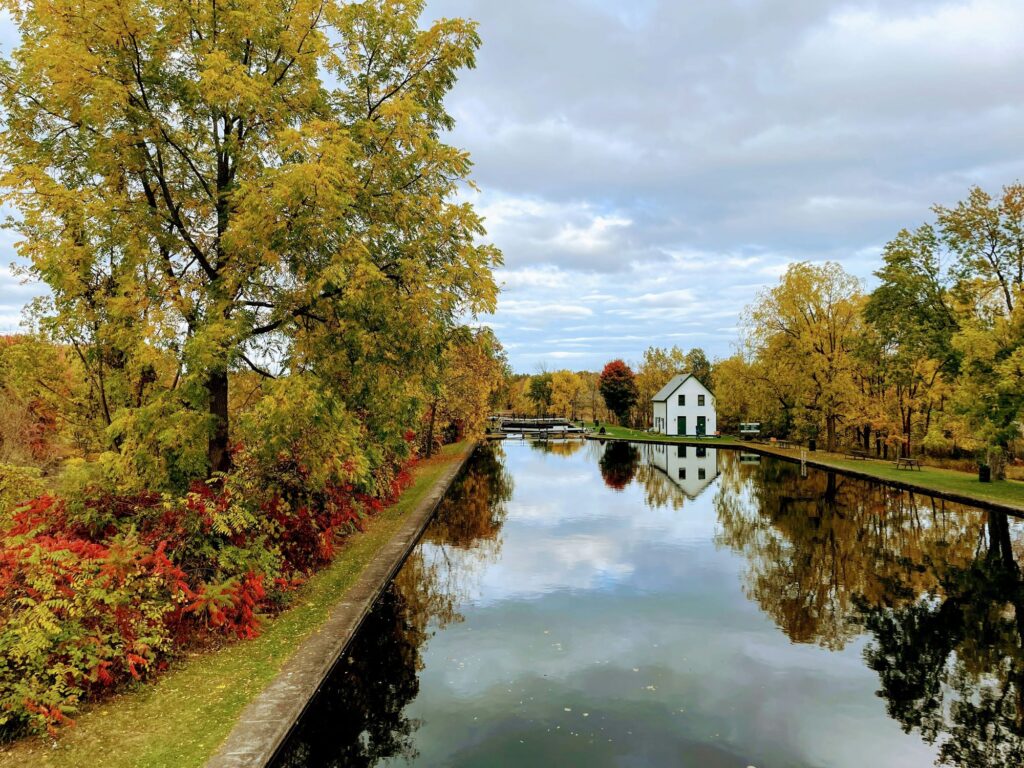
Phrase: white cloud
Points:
(598, 234)
(647, 167)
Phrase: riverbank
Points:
(951, 484)
(183, 718)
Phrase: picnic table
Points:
(856, 453)
(905, 462)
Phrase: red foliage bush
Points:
(109, 590)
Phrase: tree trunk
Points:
(218, 451)
(830, 428)
(430, 429)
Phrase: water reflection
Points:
(618, 464)
(558, 446)
(690, 467)
(643, 605)
(951, 663)
(937, 587)
(358, 716)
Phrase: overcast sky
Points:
(646, 167)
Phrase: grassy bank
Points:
(181, 719)
(626, 433)
(1006, 493)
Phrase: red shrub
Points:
(109, 590)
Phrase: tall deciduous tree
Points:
(914, 322)
(567, 390)
(258, 184)
(806, 327)
(618, 388)
(472, 369)
(657, 366)
(985, 235)
(539, 392)
(697, 363)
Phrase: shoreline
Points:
(265, 723)
(834, 465)
(184, 717)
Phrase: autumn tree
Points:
(985, 237)
(739, 396)
(471, 371)
(539, 392)
(618, 388)
(593, 404)
(567, 391)
(261, 187)
(910, 354)
(698, 365)
(657, 366)
(805, 327)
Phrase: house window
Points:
(700, 399)
(702, 451)
(681, 451)
(682, 473)
(682, 399)
(701, 474)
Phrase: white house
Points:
(684, 406)
(691, 467)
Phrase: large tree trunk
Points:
(218, 451)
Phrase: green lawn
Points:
(1008, 493)
(181, 719)
(638, 434)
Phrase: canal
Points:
(615, 605)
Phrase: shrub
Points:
(102, 588)
(77, 616)
(17, 485)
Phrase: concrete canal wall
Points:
(266, 722)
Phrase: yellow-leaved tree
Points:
(567, 393)
(804, 329)
(232, 185)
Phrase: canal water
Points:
(579, 604)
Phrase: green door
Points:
(680, 425)
(702, 426)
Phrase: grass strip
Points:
(1005, 493)
(181, 719)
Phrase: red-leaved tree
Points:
(618, 388)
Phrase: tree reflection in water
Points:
(357, 718)
(938, 587)
(559, 446)
(618, 464)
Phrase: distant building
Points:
(684, 406)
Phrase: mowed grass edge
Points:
(181, 719)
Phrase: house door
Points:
(702, 426)
(680, 425)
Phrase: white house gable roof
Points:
(675, 383)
